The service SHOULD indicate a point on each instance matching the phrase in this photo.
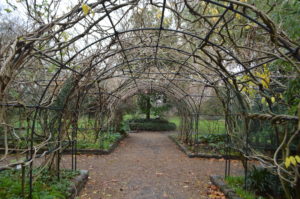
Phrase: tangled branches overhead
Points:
(238, 51)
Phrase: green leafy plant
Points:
(263, 182)
(108, 139)
(211, 138)
(237, 184)
(46, 186)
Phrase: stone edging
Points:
(79, 182)
(200, 155)
(219, 182)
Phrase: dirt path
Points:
(148, 166)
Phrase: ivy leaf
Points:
(86, 9)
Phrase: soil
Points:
(148, 165)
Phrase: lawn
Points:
(205, 126)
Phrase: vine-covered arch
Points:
(97, 54)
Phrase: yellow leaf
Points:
(247, 27)
(214, 11)
(287, 162)
(263, 100)
(297, 158)
(281, 96)
(273, 99)
(214, 19)
(86, 9)
(293, 160)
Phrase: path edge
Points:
(78, 184)
(220, 183)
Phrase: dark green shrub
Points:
(263, 182)
(151, 125)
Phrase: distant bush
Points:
(151, 125)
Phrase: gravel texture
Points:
(148, 165)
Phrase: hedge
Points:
(151, 125)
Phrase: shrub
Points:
(211, 138)
(263, 182)
(151, 125)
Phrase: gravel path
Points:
(148, 165)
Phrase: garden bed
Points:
(221, 184)
(111, 148)
(45, 186)
(202, 154)
(107, 151)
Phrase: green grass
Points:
(236, 183)
(205, 126)
(175, 120)
(45, 187)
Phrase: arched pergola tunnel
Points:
(109, 51)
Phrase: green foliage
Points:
(108, 139)
(151, 125)
(287, 15)
(292, 95)
(212, 138)
(262, 181)
(105, 140)
(64, 93)
(212, 108)
(45, 187)
(237, 184)
(87, 144)
(147, 104)
(144, 103)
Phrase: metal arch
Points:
(157, 89)
(133, 90)
(135, 47)
(148, 58)
(156, 29)
(175, 89)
